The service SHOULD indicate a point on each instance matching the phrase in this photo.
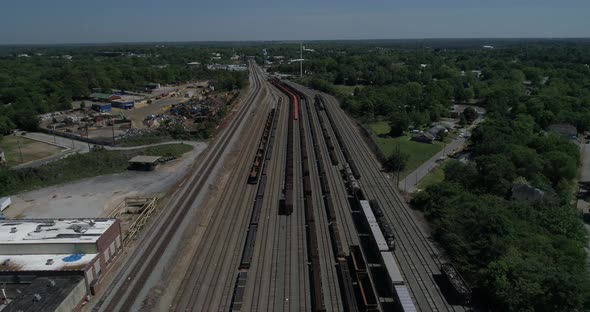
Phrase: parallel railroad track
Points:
(209, 279)
(418, 257)
(123, 293)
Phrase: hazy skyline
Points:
(67, 21)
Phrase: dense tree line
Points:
(46, 81)
(423, 83)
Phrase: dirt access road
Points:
(97, 196)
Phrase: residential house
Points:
(423, 137)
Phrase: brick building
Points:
(52, 248)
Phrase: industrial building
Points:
(102, 107)
(74, 253)
(123, 104)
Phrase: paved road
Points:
(585, 168)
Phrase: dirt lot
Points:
(96, 197)
(31, 150)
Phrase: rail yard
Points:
(306, 220)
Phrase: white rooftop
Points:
(45, 262)
(13, 232)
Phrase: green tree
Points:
(470, 114)
(399, 123)
(397, 161)
(6, 126)
(559, 165)
(496, 172)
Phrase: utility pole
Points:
(301, 61)
(113, 128)
(397, 149)
(88, 138)
(20, 151)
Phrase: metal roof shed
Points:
(145, 163)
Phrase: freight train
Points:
(380, 231)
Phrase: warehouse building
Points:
(49, 249)
(102, 107)
(123, 104)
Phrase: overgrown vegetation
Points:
(79, 166)
(517, 255)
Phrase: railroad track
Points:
(420, 260)
(209, 280)
(328, 261)
(129, 282)
(276, 279)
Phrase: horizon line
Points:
(284, 40)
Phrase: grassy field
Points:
(31, 150)
(418, 152)
(79, 166)
(435, 176)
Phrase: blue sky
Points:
(84, 21)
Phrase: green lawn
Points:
(435, 176)
(31, 149)
(418, 152)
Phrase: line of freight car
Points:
(344, 277)
(331, 214)
(459, 290)
(327, 138)
(395, 280)
(286, 200)
(341, 143)
(257, 206)
(398, 288)
(347, 286)
(317, 298)
(248, 251)
(238, 296)
(291, 93)
(383, 223)
(313, 245)
(365, 294)
(261, 152)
